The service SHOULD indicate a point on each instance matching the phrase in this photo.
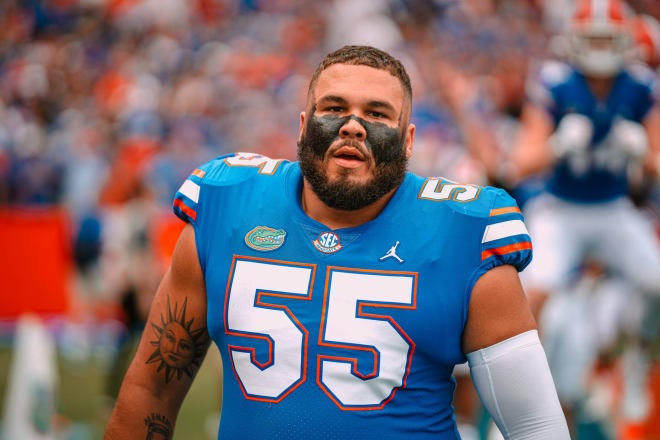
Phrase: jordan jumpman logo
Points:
(392, 253)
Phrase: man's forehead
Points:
(360, 82)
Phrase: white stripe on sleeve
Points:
(191, 190)
(503, 230)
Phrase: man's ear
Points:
(302, 125)
(408, 142)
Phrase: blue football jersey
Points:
(341, 334)
(561, 89)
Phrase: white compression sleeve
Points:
(514, 383)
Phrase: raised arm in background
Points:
(531, 153)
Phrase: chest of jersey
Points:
(344, 333)
(604, 178)
(358, 308)
(626, 99)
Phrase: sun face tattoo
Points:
(179, 348)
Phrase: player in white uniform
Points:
(588, 120)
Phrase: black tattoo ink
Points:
(158, 427)
(179, 348)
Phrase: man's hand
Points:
(630, 138)
(571, 140)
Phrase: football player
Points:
(341, 290)
(588, 121)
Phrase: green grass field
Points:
(83, 410)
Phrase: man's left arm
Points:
(507, 362)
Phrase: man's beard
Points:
(342, 193)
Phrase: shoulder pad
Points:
(237, 167)
(548, 76)
(642, 74)
(555, 72)
(224, 170)
(472, 200)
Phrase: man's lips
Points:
(349, 153)
(348, 157)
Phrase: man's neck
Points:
(600, 87)
(337, 218)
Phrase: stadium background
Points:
(107, 105)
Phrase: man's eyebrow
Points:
(371, 104)
(381, 104)
(332, 99)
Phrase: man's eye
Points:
(336, 109)
(376, 114)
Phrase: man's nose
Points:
(352, 129)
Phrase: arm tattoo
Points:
(179, 348)
(158, 427)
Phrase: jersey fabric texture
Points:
(347, 333)
(561, 89)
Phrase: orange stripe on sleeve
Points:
(506, 210)
(199, 173)
(183, 207)
(502, 250)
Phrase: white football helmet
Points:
(599, 37)
(647, 39)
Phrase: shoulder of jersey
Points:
(234, 168)
(468, 199)
(643, 75)
(227, 170)
(554, 72)
(505, 239)
(549, 76)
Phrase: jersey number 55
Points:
(253, 309)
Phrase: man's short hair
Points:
(365, 56)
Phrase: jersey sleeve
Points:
(186, 203)
(226, 170)
(497, 237)
(505, 239)
(186, 199)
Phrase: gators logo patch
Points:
(263, 238)
(327, 243)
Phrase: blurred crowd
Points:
(106, 106)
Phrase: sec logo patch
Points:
(327, 243)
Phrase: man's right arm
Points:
(170, 352)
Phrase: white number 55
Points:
(344, 325)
